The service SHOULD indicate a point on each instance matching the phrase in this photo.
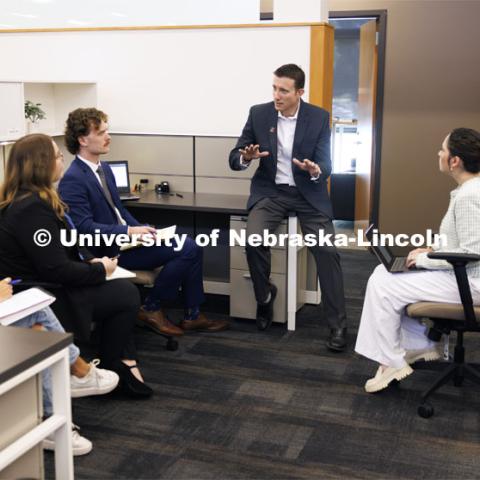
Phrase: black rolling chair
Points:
(448, 317)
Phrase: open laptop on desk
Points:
(391, 262)
(122, 179)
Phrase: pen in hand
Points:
(16, 281)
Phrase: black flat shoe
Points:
(129, 383)
(265, 311)
(337, 341)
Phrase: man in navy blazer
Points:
(291, 140)
(89, 189)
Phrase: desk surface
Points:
(194, 202)
(21, 348)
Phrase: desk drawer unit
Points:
(238, 224)
(238, 260)
(242, 298)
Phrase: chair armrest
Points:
(454, 257)
(459, 262)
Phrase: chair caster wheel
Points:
(172, 345)
(425, 410)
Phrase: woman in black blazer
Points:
(32, 217)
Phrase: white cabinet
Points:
(57, 99)
(242, 298)
(12, 122)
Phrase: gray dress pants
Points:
(267, 214)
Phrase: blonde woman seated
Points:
(29, 203)
(386, 334)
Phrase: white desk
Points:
(24, 353)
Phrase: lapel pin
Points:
(272, 130)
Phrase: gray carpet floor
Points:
(244, 404)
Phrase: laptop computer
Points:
(122, 179)
(394, 264)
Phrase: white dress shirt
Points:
(285, 135)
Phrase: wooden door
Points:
(366, 120)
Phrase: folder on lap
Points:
(120, 272)
(23, 304)
(162, 234)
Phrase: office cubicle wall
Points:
(156, 158)
(212, 170)
(188, 163)
(4, 152)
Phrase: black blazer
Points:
(21, 257)
(312, 141)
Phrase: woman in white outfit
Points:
(386, 334)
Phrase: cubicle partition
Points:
(156, 158)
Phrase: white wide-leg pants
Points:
(386, 331)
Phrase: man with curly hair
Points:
(89, 189)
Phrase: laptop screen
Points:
(120, 172)
(383, 253)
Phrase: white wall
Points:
(300, 11)
(187, 81)
(107, 13)
(121, 13)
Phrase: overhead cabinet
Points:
(57, 100)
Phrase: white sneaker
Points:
(427, 355)
(97, 382)
(80, 445)
(383, 378)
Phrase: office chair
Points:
(145, 279)
(447, 317)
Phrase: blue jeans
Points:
(47, 319)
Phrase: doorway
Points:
(359, 61)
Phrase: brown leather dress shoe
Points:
(158, 322)
(203, 324)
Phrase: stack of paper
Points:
(161, 234)
(23, 304)
(120, 272)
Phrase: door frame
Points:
(381, 17)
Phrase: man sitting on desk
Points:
(88, 188)
(292, 140)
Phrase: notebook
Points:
(23, 304)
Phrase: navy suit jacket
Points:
(311, 140)
(88, 206)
